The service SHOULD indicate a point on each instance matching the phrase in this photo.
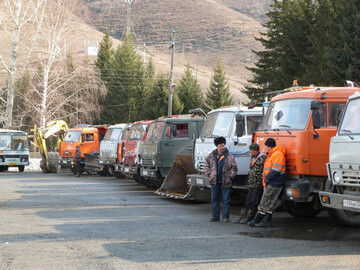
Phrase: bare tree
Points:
(16, 15)
(60, 88)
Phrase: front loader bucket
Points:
(175, 185)
(91, 164)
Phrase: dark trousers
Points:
(253, 198)
(269, 199)
(78, 168)
(218, 192)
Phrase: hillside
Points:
(205, 31)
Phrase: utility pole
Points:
(172, 46)
(144, 52)
(128, 13)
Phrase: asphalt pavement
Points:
(51, 221)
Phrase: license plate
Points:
(199, 181)
(351, 204)
(13, 163)
(126, 169)
(145, 173)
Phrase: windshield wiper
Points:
(348, 131)
(287, 128)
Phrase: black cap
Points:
(270, 142)
(77, 147)
(219, 140)
(254, 146)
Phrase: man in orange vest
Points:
(273, 180)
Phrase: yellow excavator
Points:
(49, 161)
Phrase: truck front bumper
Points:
(200, 180)
(149, 172)
(128, 169)
(340, 201)
(297, 190)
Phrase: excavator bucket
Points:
(91, 165)
(175, 185)
(52, 165)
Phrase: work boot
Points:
(258, 217)
(250, 215)
(214, 219)
(243, 214)
(266, 221)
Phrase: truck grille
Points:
(147, 161)
(201, 165)
(351, 178)
(129, 160)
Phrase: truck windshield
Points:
(253, 123)
(72, 136)
(112, 134)
(287, 114)
(351, 120)
(137, 132)
(156, 131)
(5, 142)
(217, 124)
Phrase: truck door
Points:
(89, 143)
(177, 141)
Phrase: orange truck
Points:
(88, 138)
(303, 120)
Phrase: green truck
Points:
(165, 138)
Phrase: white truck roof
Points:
(238, 109)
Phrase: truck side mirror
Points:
(173, 130)
(82, 137)
(316, 119)
(315, 105)
(240, 125)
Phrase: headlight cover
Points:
(336, 177)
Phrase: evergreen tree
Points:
(286, 43)
(219, 92)
(344, 54)
(189, 90)
(105, 57)
(126, 86)
(157, 100)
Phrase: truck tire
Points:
(116, 174)
(21, 168)
(105, 171)
(4, 168)
(346, 218)
(300, 209)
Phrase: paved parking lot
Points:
(51, 221)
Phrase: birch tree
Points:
(16, 16)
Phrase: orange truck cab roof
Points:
(289, 121)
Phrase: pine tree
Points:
(105, 57)
(286, 44)
(189, 90)
(157, 100)
(219, 92)
(126, 86)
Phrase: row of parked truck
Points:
(169, 153)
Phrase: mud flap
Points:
(175, 185)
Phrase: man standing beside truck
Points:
(274, 180)
(255, 184)
(77, 159)
(220, 167)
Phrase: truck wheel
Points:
(4, 168)
(300, 209)
(21, 168)
(344, 217)
(148, 182)
(105, 171)
(116, 174)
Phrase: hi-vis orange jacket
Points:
(274, 167)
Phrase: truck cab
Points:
(14, 149)
(108, 148)
(129, 165)
(342, 194)
(223, 122)
(87, 138)
(166, 137)
(303, 120)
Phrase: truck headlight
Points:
(336, 177)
